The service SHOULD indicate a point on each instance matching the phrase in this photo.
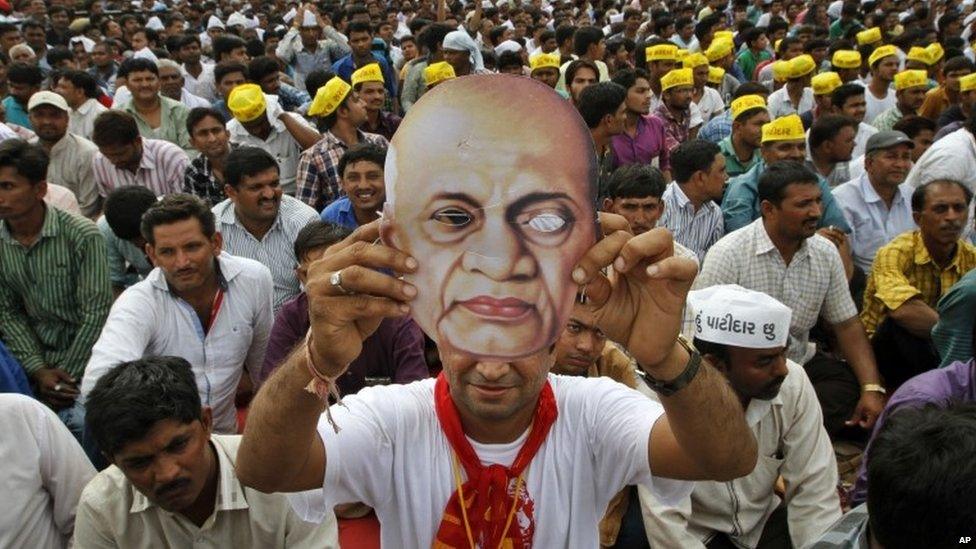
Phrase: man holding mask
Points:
(501, 226)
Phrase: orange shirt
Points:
(936, 101)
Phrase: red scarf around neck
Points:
(487, 500)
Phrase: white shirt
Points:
(877, 106)
(81, 121)
(598, 445)
(279, 143)
(204, 86)
(193, 101)
(71, 167)
(45, 470)
(952, 157)
(710, 104)
(113, 513)
(780, 105)
(864, 132)
(149, 320)
(276, 250)
(793, 444)
(872, 224)
(812, 285)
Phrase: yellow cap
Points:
(967, 83)
(936, 53)
(781, 70)
(869, 36)
(747, 103)
(719, 49)
(438, 72)
(681, 54)
(246, 102)
(716, 75)
(825, 83)
(661, 52)
(693, 60)
(786, 128)
(911, 79)
(329, 97)
(846, 59)
(676, 78)
(723, 35)
(801, 66)
(880, 53)
(367, 73)
(919, 54)
(544, 61)
(776, 44)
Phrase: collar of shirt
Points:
(166, 107)
(227, 270)
(759, 408)
(922, 256)
(329, 140)
(680, 197)
(227, 214)
(87, 107)
(230, 493)
(904, 195)
(50, 228)
(664, 111)
(238, 131)
(765, 245)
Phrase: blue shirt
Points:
(872, 224)
(718, 128)
(16, 113)
(740, 205)
(345, 67)
(340, 212)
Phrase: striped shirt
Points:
(71, 167)
(160, 169)
(276, 250)
(695, 230)
(318, 168)
(55, 294)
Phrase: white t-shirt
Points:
(877, 106)
(392, 455)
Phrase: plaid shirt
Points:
(292, 99)
(318, 168)
(675, 132)
(199, 180)
(718, 128)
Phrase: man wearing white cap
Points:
(303, 48)
(744, 335)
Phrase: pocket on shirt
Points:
(229, 347)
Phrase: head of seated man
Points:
(499, 223)
(580, 345)
(182, 240)
(635, 192)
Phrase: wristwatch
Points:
(672, 386)
(873, 388)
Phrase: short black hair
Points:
(359, 26)
(750, 88)
(83, 80)
(134, 396)
(827, 127)
(576, 65)
(137, 64)
(564, 32)
(124, 207)
(844, 92)
(706, 24)
(692, 156)
(599, 100)
(177, 207)
(628, 77)
(24, 73)
(57, 54)
(586, 37)
(914, 125)
(958, 63)
(779, 175)
(229, 67)
(921, 192)
(114, 127)
(362, 152)
(718, 350)
(636, 181)
(246, 162)
(187, 40)
(226, 43)
(316, 79)
(922, 477)
(318, 234)
(198, 114)
(260, 67)
(753, 34)
(29, 160)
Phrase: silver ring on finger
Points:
(336, 281)
(57, 387)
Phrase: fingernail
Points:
(411, 263)
(619, 264)
(409, 290)
(653, 270)
(579, 275)
(404, 308)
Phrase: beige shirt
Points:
(71, 167)
(112, 513)
(82, 119)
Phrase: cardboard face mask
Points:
(491, 186)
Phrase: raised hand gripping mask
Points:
(491, 185)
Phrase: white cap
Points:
(508, 45)
(155, 24)
(308, 20)
(289, 15)
(732, 315)
(47, 98)
(214, 21)
(87, 43)
(237, 18)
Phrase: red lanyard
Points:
(215, 308)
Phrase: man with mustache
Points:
(199, 303)
(258, 221)
(910, 274)
(782, 255)
(744, 334)
(172, 481)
